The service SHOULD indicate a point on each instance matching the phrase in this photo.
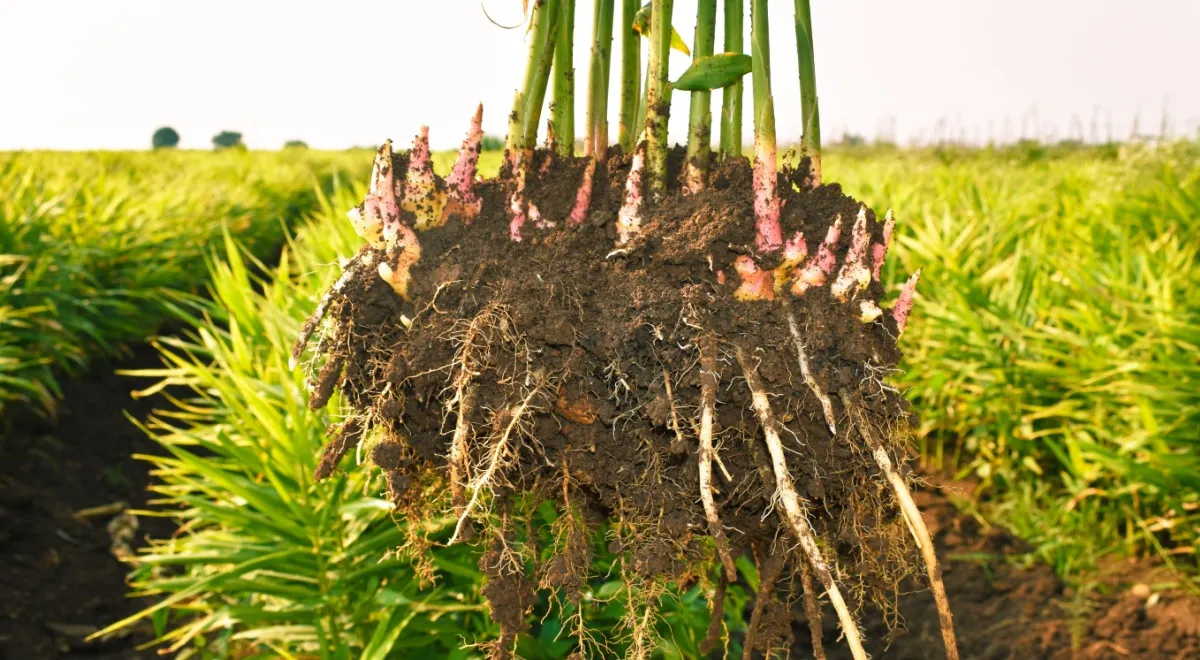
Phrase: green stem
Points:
(658, 100)
(593, 92)
(640, 121)
(537, 72)
(513, 142)
(603, 62)
(810, 141)
(731, 97)
(631, 73)
(562, 108)
(700, 119)
(760, 52)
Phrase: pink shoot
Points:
(378, 221)
(380, 212)
(795, 251)
(766, 201)
(854, 274)
(879, 250)
(463, 200)
(421, 196)
(629, 218)
(757, 284)
(818, 268)
(368, 218)
(516, 200)
(583, 197)
(904, 304)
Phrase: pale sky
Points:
(103, 75)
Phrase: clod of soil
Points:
(553, 367)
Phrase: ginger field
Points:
(1054, 364)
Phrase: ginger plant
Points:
(612, 312)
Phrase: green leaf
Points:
(641, 25)
(714, 72)
(386, 634)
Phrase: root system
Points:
(534, 362)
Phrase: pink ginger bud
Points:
(583, 197)
(795, 251)
(368, 218)
(463, 200)
(379, 218)
(904, 304)
(757, 284)
(766, 201)
(817, 269)
(854, 274)
(421, 196)
(516, 201)
(879, 250)
(381, 170)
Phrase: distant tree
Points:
(165, 138)
(295, 144)
(491, 143)
(227, 140)
(853, 140)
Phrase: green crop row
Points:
(96, 247)
(1054, 351)
(1053, 358)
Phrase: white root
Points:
(459, 467)
(464, 397)
(708, 401)
(674, 413)
(794, 511)
(806, 372)
(496, 458)
(916, 524)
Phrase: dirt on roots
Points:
(554, 368)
